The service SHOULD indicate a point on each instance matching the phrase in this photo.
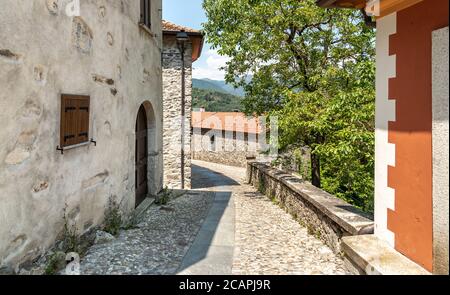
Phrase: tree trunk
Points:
(315, 170)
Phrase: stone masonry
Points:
(172, 75)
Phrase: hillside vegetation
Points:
(215, 101)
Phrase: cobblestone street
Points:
(222, 226)
(268, 241)
(158, 244)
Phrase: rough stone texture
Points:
(270, 242)
(440, 151)
(172, 112)
(229, 149)
(238, 159)
(324, 215)
(367, 254)
(102, 237)
(158, 243)
(44, 53)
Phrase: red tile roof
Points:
(171, 27)
(226, 121)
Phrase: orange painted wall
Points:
(411, 177)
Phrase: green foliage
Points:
(53, 265)
(70, 237)
(345, 120)
(314, 69)
(215, 101)
(163, 197)
(113, 218)
(303, 163)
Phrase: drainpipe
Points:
(182, 38)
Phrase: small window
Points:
(212, 143)
(74, 120)
(146, 12)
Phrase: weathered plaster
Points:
(440, 150)
(44, 53)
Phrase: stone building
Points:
(174, 166)
(226, 137)
(81, 100)
(411, 136)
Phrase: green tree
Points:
(312, 67)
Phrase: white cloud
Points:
(211, 69)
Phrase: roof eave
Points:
(195, 55)
(199, 34)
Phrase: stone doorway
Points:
(141, 168)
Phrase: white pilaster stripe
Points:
(385, 112)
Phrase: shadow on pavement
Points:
(205, 178)
(212, 250)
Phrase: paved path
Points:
(266, 239)
(222, 226)
(212, 250)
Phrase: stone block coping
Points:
(353, 220)
(375, 257)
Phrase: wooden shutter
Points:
(74, 127)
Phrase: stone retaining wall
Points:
(237, 159)
(326, 216)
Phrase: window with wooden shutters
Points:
(146, 12)
(74, 120)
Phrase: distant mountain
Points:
(207, 84)
(216, 85)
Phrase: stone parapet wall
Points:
(324, 215)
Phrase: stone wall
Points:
(172, 112)
(237, 159)
(230, 149)
(102, 53)
(324, 215)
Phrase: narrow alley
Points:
(222, 226)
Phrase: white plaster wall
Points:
(385, 112)
(42, 58)
(440, 133)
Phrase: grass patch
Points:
(113, 218)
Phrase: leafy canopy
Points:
(312, 67)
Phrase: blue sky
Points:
(190, 13)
